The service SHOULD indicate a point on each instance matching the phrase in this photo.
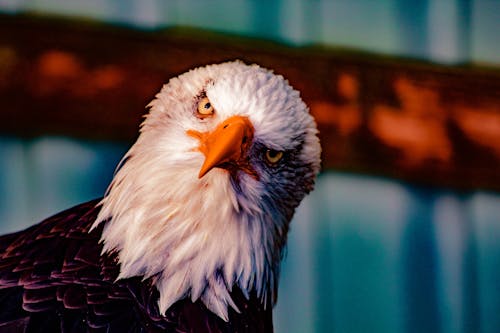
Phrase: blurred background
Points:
(402, 233)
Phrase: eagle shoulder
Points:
(53, 278)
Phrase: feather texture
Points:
(53, 279)
(201, 237)
(165, 249)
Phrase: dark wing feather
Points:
(54, 279)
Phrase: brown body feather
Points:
(53, 278)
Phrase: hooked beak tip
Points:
(227, 143)
(203, 172)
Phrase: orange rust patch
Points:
(417, 129)
(59, 64)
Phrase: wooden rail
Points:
(412, 120)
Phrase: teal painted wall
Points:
(445, 31)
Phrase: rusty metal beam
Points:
(412, 120)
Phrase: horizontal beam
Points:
(412, 120)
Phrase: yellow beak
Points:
(226, 146)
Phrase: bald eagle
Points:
(190, 233)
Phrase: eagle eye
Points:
(205, 108)
(273, 156)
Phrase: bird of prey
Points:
(190, 233)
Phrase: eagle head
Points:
(202, 201)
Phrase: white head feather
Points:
(201, 237)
